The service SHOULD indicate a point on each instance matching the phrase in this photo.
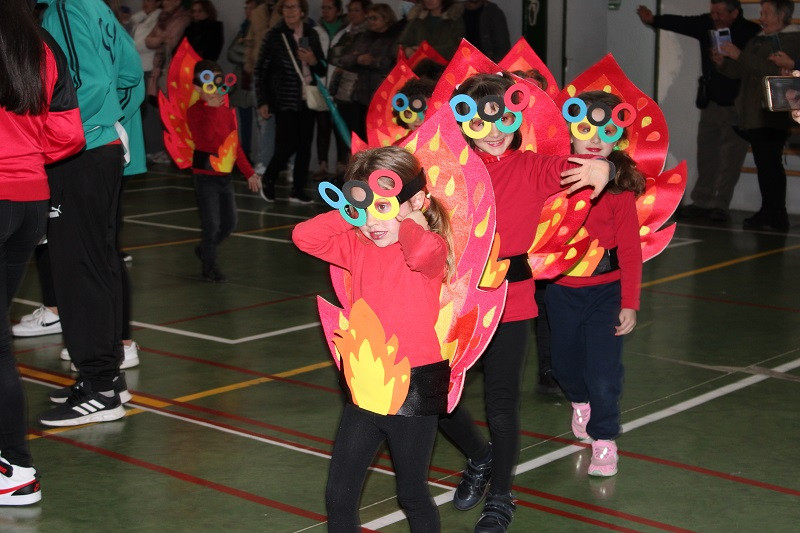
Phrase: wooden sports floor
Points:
(236, 400)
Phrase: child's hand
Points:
(417, 217)
(591, 172)
(254, 182)
(627, 321)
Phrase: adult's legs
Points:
(22, 224)
(324, 124)
(266, 140)
(712, 120)
(245, 116)
(82, 240)
(767, 145)
(732, 152)
(305, 133)
(287, 127)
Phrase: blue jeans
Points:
(22, 225)
(586, 354)
(266, 140)
(217, 207)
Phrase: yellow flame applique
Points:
(377, 383)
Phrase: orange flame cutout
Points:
(495, 270)
(377, 383)
(226, 154)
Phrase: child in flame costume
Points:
(213, 127)
(522, 180)
(398, 258)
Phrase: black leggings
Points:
(503, 364)
(410, 440)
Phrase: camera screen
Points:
(783, 93)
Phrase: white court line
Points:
(441, 499)
(198, 230)
(681, 242)
(223, 340)
(203, 336)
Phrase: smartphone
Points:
(781, 93)
(720, 37)
(304, 43)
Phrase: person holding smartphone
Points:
(765, 130)
(720, 151)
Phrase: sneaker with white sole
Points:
(40, 322)
(84, 406)
(604, 458)
(19, 485)
(130, 360)
(580, 417)
(120, 387)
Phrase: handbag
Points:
(313, 98)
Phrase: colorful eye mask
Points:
(478, 110)
(216, 83)
(586, 114)
(416, 108)
(356, 197)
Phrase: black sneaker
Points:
(120, 387)
(547, 384)
(213, 275)
(497, 514)
(83, 407)
(474, 482)
(267, 192)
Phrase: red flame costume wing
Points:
(468, 316)
(382, 126)
(423, 52)
(646, 143)
(522, 57)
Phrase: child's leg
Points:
(208, 205)
(503, 363)
(411, 445)
(356, 443)
(227, 210)
(604, 372)
(565, 308)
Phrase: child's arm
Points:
(629, 253)
(328, 237)
(424, 251)
(596, 173)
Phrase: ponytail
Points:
(628, 177)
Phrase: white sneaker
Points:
(18, 485)
(131, 357)
(40, 322)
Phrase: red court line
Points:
(245, 308)
(724, 301)
(188, 478)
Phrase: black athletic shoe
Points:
(472, 487)
(497, 514)
(120, 387)
(83, 407)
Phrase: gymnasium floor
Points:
(236, 401)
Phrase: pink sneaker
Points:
(604, 458)
(580, 417)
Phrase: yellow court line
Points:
(150, 402)
(719, 265)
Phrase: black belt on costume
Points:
(608, 263)
(202, 160)
(518, 268)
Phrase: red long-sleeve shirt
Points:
(522, 182)
(210, 126)
(401, 282)
(29, 142)
(613, 221)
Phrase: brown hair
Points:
(627, 177)
(480, 85)
(408, 167)
(208, 7)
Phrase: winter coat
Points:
(442, 33)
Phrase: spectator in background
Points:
(371, 55)
(165, 37)
(39, 124)
(486, 28)
(439, 22)
(205, 32)
(330, 28)
(766, 131)
(143, 23)
(343, 81)
(279, 92)
(720, 150)
(242, 96)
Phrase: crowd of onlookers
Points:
(350, 49)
